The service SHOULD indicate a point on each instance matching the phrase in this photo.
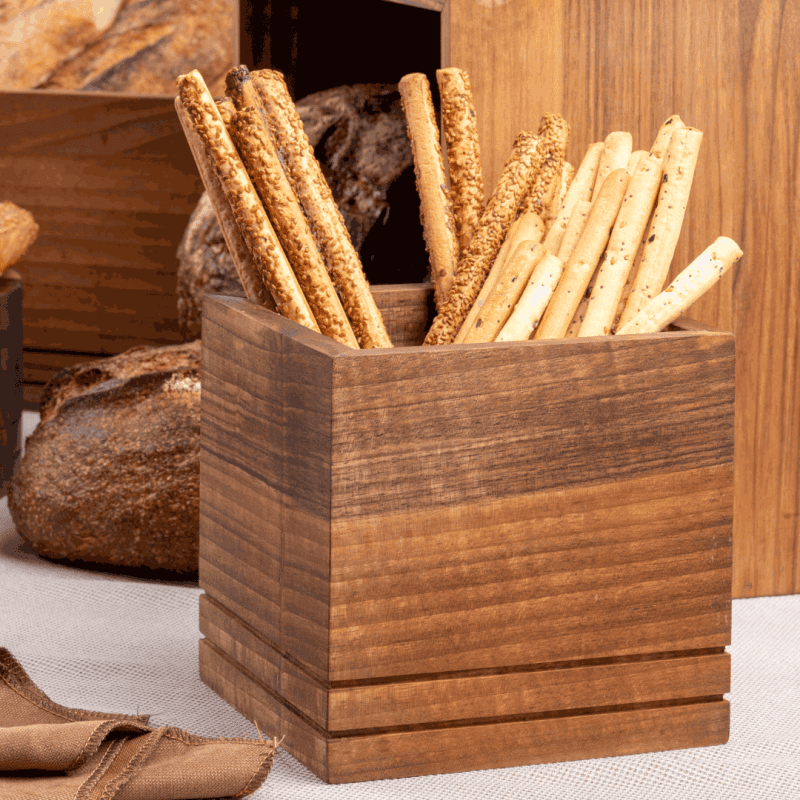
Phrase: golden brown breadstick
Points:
(616, 152)
(327, 225)
(514, 182)
(633, 161)
(18, 229)
(251, 219)
(463, 152)
(662, 235)
(689, 286)
(507, 291)
(564, 181)
(583, 262)
(249, 275)
(579, 189)
(575, 226)
(535, 297)
(529, 226)
(227, 110)
(661, 143)
(434, 199)
(553, 140)
(621, 250)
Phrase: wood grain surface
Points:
(10, 375)
(729, 69)
(111, 182)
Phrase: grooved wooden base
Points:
(437, 559)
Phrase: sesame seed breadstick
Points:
(463, 152)
(553, 140)
(250, 277)
(579, 189)
(251, 219)
(533, 301)
(316, 199)
(227, 110)
(529, 226)
(621, 250)
(582, 263)
(514, 182)
(436, 211)
(617, 150)
(635, 156)
(661, 143)
(507, 291)
(662, 235)
(688, 287)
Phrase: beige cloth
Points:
(48, 752)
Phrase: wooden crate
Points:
(10, 375)
(427, 560)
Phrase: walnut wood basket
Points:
(439, 559)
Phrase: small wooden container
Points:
(10, 375)
(438, 559)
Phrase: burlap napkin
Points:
(48, 752)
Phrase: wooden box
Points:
(10, 376)
(427, 560)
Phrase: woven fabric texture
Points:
(106, 642)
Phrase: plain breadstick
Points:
(579, 189)
(324, 217)
(575, 226)
(463, 152)
(527, 227)
(251, 219)
(621, 250)
(661, 143)
(507, 291)
(535, 297)
(513, 184)
(436, 211)
(665, 228)
(564, 181)
(616, 152)
(583, 262)
(249, 275)
(688, 287)
(18, 230)
(635, 156)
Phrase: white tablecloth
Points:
(106, 642)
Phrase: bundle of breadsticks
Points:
(285, 233)
(554, 252)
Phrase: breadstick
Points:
(250, 277)
(463, 152)
(583, 262)
(579, 189)
(327, 225)
(18, 229)
(534, 300)
(529, 226)
(621, 250)
(616, 152)
(564, 181)
(634, 160)
(690, 285)
(577, 222)
(662, 235)
(434, 200)
(507, 291)
(661, 143)
(514, 182)
(227, 110)
(553, 140)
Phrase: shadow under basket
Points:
(437, 559)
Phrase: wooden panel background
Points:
(730, 68)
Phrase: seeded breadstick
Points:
(553, 140)
(514, 182)
(634, 160)
(621, 250)
(579, 189)
(507, 291)
(583, 262)
(527, 227)
(248, 273)
(251, 219)
(662, 235)
(616, 152)
(564, 181)
(227, 110)
(577, 222)
(660, 145)
(463, 152)
(535, 297)
(436, 211)
(327, 225)
(18, 230)
(688, 287)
